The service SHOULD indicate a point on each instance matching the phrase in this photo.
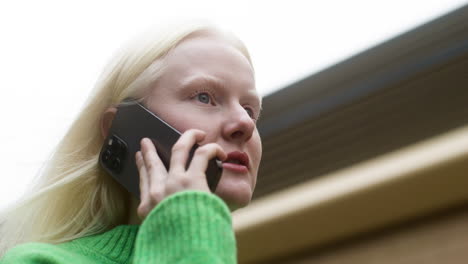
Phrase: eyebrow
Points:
(216, 83)
(202, 79)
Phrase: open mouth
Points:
(237, 158)
(235, 161)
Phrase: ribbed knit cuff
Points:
(187, 227)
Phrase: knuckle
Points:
(207, 149)
(184, 181)
(173, 188)
(202, 150)
(139, 160)
(178, 147)
(213, 145)
(156, 193)
(191, 131)
(194, 131)
(152, 164)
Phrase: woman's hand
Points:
(156, 183)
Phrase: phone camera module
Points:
(117, 146)
(115, 164)
(107, 155)
(114, 153)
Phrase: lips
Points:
(237, 161)
(238, 157)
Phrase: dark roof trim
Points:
(408, 54)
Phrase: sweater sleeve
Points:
(187, 227)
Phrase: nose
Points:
(238, 125)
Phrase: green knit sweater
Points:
(187, 227)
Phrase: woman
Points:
(198, 79)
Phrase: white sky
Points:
(51, 53)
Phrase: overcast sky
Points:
(51, 53)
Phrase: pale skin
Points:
(207, 92)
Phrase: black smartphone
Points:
(131, 123)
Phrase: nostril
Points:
(237, 134)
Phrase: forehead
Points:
(209, 56)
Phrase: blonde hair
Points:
(73, 197)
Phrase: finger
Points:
(203, 155)
(154, 166)
(144, 185)
(181, 149)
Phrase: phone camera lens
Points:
(106, 156)
(115, 163)
(114, 154)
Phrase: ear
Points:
(106, 120)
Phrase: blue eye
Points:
(250, 112)
(204, 98)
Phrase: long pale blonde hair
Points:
(73, 197)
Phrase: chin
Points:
(235, 194)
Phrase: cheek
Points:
(183, 122)
(256, 156)
(256, 149)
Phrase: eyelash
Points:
(212, 95)
(206, 90)
(253, 115)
